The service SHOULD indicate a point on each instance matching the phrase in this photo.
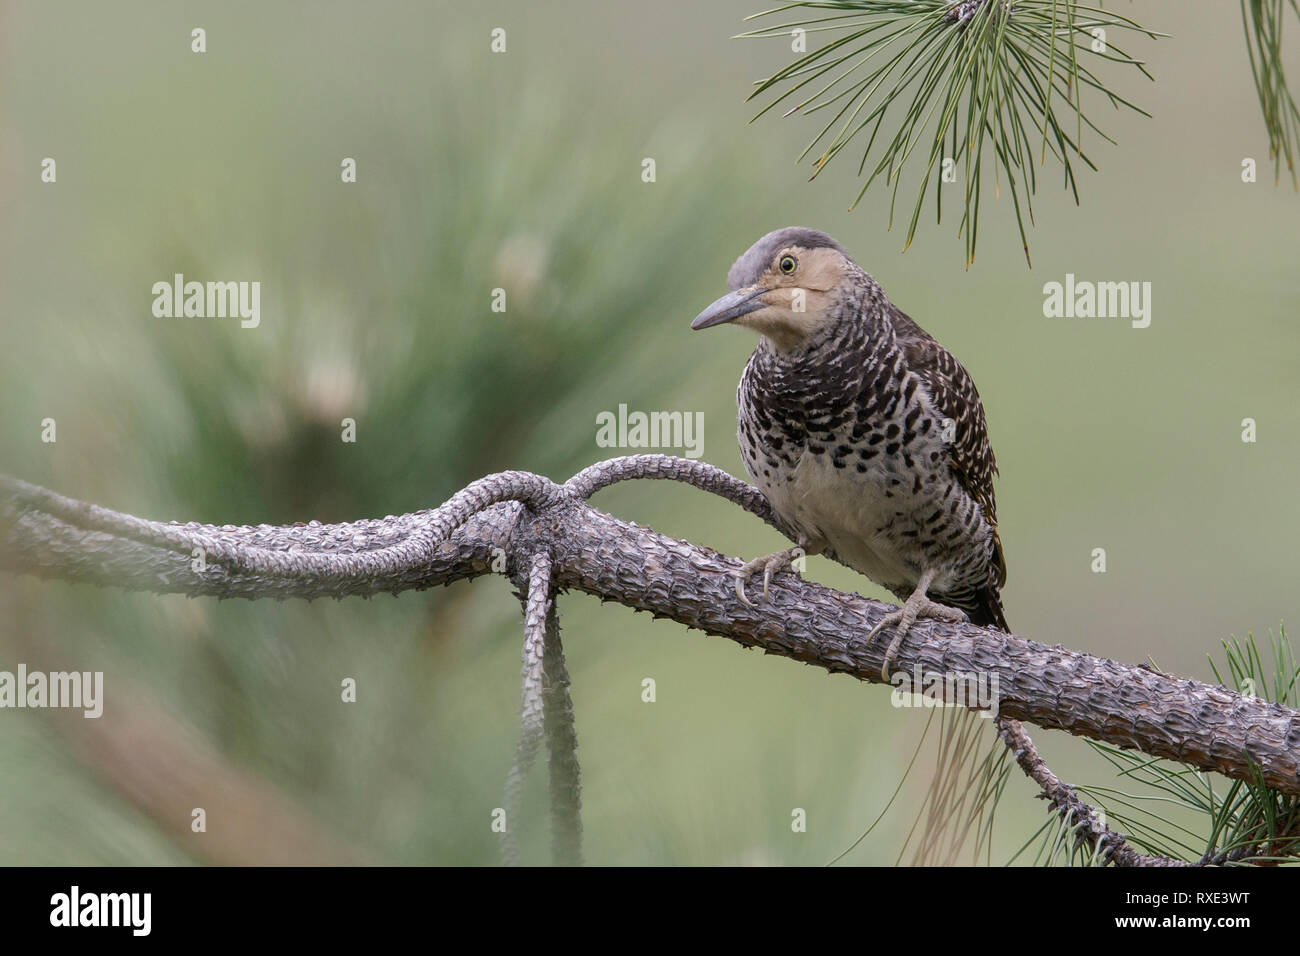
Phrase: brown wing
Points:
(970, 454)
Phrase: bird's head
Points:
(786, 286)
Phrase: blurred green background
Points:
(523, 171)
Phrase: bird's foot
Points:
(770, 564)
(915, 608)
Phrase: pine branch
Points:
(1083, 820)
(537, 606)
(508, 520)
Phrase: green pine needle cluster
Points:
(966, 81)
(971, 773)
(1161, 807)
(1263, 23)
(1060, 841)
(1246, 823)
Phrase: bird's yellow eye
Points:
(788, 264)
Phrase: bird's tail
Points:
(961, 796)
(987, 611)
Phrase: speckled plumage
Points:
(870, 438)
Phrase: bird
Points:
(865, 435)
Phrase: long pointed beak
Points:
(731, 306)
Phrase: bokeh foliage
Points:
(523, 171)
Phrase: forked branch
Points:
(547, 538)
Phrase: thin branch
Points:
(546, 710)
(699, 474)
(562, 745)
(531, 707)
(1083, 819)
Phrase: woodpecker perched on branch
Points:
(866, 436)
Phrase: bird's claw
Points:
(916, 607)
(740, 592)
(770, 564)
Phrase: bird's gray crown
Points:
(759, 256)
